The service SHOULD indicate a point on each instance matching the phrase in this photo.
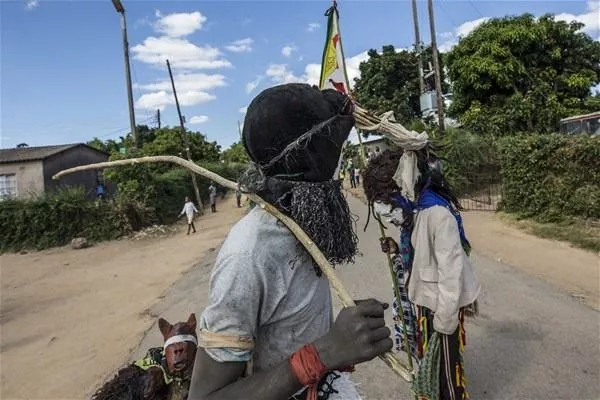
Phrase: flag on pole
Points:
(333, 66)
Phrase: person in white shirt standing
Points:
(189, 209)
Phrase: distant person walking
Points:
(189, 209)
(357, 176)
(238, 197)
(352, 176)
(99, 190)
(212, 193)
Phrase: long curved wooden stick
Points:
(399, 311)
(389, 358)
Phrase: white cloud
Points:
(288, 50)
(185, 57)
(187, 82)
(312, 72)
(160, 99)
(591, 18)
(246, 21)
(179, 24)
(279, 73)
(154, 101)
(198, 119)
(313, 26)
(250, 86)
(461, 31)
(353, 64)
(31, 4)
(241, 46)
(193, 97)
(467, 27)
(181, 53)
(243, 110)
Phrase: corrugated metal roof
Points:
(34, 153)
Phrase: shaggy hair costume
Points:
(294, 135)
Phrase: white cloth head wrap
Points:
(407, 173)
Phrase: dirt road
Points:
(531, 341)
(69, 318)
(572, 269)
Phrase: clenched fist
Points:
(359, 334)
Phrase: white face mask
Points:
(395, 216)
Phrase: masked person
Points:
(268, 330)
(435, 278)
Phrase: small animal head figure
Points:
(180, 345)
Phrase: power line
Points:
(441, 3)
(123, 130)
(475, 8)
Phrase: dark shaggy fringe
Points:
(127, 384)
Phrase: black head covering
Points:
(280, 115)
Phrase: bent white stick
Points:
(400, 368)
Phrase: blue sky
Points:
(62, 68)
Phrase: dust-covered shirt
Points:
(264, 285)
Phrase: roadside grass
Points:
(584, 234)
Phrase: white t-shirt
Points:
(189, 209)
(264, 285)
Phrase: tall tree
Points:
(390, 81)
(522, 74)
(236, 153)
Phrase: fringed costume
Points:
(436, 282)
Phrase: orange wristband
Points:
(308, 368)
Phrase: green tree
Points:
(168, 141)
(110, 146)
(522, 73)
(390, 81)
(236, 153)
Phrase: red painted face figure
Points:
(180, 345)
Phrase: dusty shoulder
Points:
(259, 236)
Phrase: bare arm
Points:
(359, 334)
(212, 380)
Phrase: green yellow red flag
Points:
(333, 67)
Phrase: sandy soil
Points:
(574, 270)
(69, 318)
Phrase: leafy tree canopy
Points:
(236, 153)
(164, 141)
(522, 74)
(389, 80)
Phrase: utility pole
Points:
(418, 46)
(436, 68)
(121, 10)
(240, 130)
(158, 117)
(186, 142)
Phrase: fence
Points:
(482, 193)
